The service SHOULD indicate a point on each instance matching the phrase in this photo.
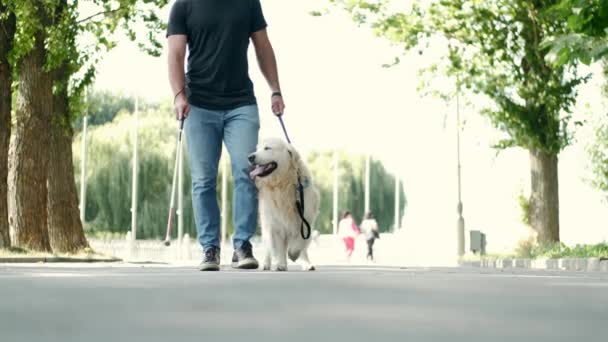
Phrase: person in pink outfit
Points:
(348, 231)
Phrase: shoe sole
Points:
(210, 267)
(247, 264)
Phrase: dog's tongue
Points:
(257, 170)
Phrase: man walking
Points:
(216, 96)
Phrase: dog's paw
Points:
(281, 268)
(309, 267)
(266, 267)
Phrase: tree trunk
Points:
(544, 198)
(65, 228)
(7, 34)
(29, 151)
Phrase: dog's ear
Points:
(293, 154)
(298, 164)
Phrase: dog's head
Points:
(274, 161)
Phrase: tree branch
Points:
(100, 13)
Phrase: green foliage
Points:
(605, 74)
(526, 249)
(113, 16)
(597, 148)
(492, 48)
(524, 205)
(109, 173)
(29, 21)
(597, 152)
(63, 26)
(104, 235)
(103, 106)
(587, 37)
(561, 250)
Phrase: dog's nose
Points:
(251, 158)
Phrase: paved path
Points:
(158, 303)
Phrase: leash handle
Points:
(284, 130)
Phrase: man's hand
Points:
(278, 106)
(182, 108)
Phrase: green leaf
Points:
(395, 62)
(563, 57)
(574, 22)
(585, 59)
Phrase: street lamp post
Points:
(460, 206)
(83, 170)
(134, 177)
(335, 197)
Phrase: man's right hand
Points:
(182, 108)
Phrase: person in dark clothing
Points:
(369, 227)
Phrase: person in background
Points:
(348, 231)
(370, 228)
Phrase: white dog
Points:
(276, 168)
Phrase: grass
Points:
(528, 250)
(104, 235)
(16, 253)
(21, 252)
(561, 250)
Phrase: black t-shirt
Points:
(218, 33)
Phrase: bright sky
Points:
(339, 96)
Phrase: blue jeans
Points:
(205, 131)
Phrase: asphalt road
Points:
(154, 303)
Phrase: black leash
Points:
(305, 232)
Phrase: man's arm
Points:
(268, 65)
(177, 78)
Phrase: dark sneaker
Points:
(243, 258)
(211, 259)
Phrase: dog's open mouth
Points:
(262, 170)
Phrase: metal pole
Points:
(367, 180)
(180, 196)
(460, 206)
(135, 173)
(83, 171)
(335, 197)
(224, 200)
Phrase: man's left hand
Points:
(278, 106)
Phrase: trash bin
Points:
(478, 242)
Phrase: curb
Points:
(29, 260)
(564, 264)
